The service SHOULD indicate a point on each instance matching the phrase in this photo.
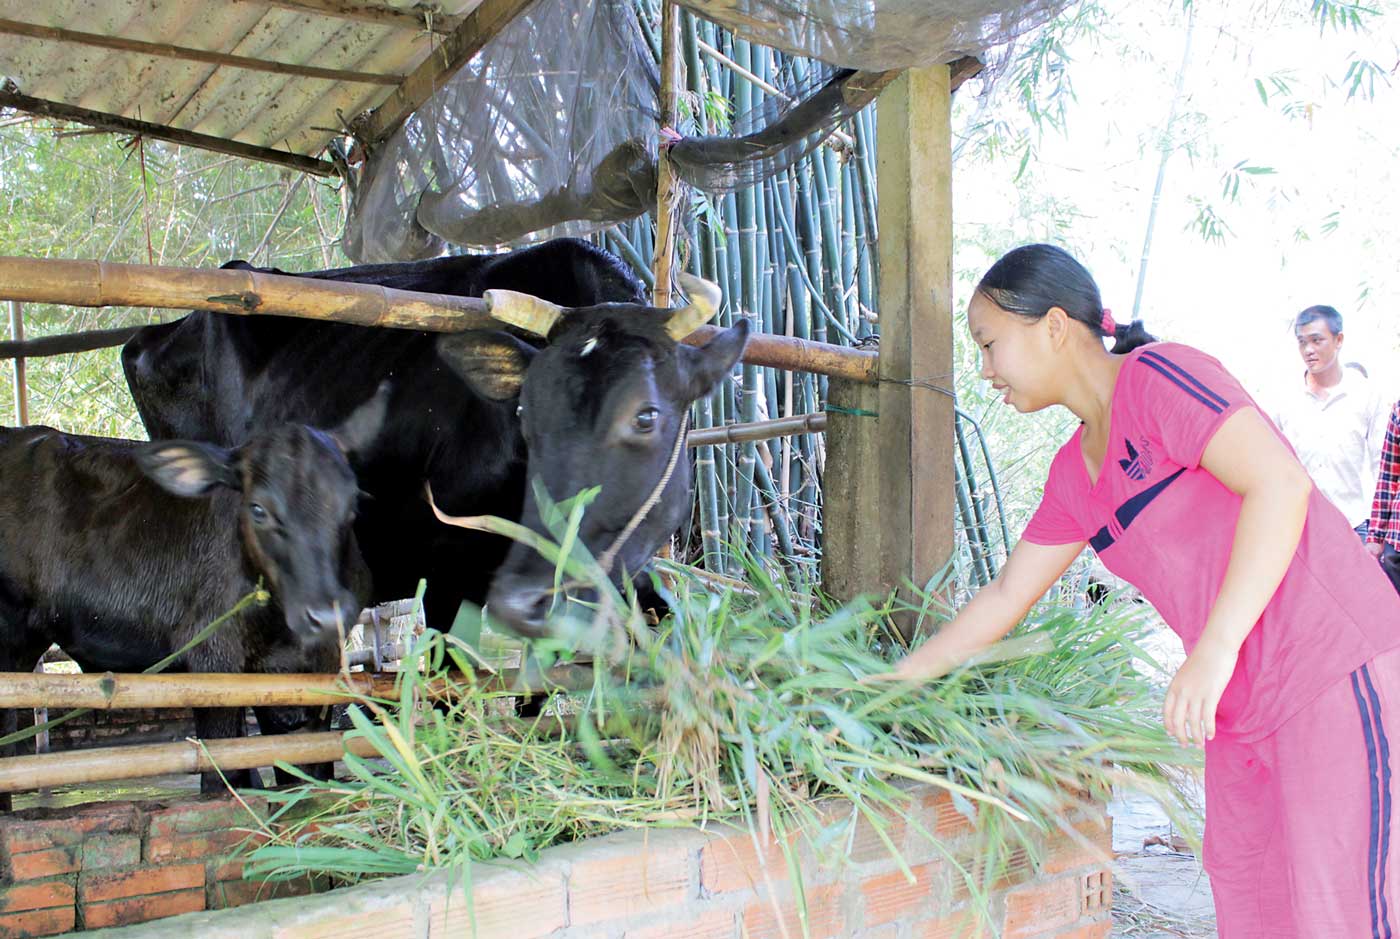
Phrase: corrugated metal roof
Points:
(68, 63)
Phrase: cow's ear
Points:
(359, 431)
(187, 468)
(705, 366)
(492, 363)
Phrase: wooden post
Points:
(888, 505)
(21, 385)
(667, 191)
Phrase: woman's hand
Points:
(1194, 694)
(1375, 547)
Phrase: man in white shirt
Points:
(1336, 420)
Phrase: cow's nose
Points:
(521, 607)
(322, 617)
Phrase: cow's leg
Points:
(223, 724)
(322, 657)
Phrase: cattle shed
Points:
(484, 125)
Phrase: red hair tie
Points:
(1108, 326)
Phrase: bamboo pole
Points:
(21, 385)
(98, 284)
(801, 355)
(23, 773)
(66, 343)
(758, 430)
(110, 692)
(667, 190)
(119, 124)
(167, 50)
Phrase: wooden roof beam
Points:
(417, 18)
(475, 31)
(126, 125)
(165, 50)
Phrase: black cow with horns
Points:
(122, 552)
(597, 388)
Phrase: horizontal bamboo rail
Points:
(99, 284)
(23, 773)
(802, 355)
(67, 343)
(758, 430)
(109, 692)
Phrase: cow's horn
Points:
(523, 311)
(705, 299)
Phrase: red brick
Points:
(965, 924)
(734, 862)
(823, 909)
(651, 878)
(214, 814)
(890, 896)
(506, 905)
(38, 923)
(36, 895)
(229, 893)
(33, 865)
(716, 924)
(199, 845)
(21, 835)
(948, 822)
(1090, 845)
(867, 844)
(233, 870)
(141, 909)
(100, 851)
(95, 888)
(1100, 930)
(1040, 907)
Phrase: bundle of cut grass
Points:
(747, 704)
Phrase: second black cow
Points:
(121, 552)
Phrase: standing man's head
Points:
(1319, 332)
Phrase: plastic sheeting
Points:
(875, 35)
(552, 130)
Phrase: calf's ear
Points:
(492, 363)
(705, 366)
(187, 468)
(359, 431)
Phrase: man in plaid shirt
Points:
(1383, 534)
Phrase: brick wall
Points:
(717, 884)
(113, 728)
(123, 862)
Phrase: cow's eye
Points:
(645, 421)
(520, 410)
(257, 513)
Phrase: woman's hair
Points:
(1031, 279)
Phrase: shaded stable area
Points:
(352, 88)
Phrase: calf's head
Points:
(296, 507)
(603, 404)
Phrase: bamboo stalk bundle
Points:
(99, 284)
(110, 692)
(23, 773)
